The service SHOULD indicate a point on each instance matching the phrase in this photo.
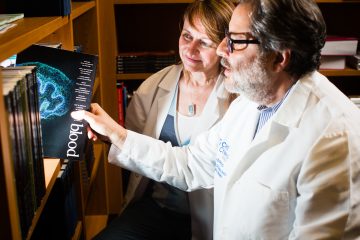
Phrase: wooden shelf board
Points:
(96, 85)
(150, 1)
(329, 73)
(189, 1)
(94, 224)
(51, 168)
(98, 150)
(77, 233)
(133, 76)
(79, 8)
(336, 1)
(27, 32)
(348, 72)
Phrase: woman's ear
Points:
(281, 60)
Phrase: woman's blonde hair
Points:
(214, 15)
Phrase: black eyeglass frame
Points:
(230, 42)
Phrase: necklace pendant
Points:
(191, 110)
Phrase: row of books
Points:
(86, 167)
(355, 100)
(20, 91)
(145, 62)
(122, 95)
(353, 61)
(339, 52)
(7, 21)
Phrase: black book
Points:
(65, 82)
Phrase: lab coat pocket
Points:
(265, 209)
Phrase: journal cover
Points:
(65, 83)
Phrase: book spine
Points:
(120, 96)
(38, 164)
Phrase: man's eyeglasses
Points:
(239, 44)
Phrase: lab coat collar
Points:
(210, 115)
(293, 106)
(291, 110)
(277, 128)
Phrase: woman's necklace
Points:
(192, 109)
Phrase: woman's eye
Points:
(187, 36)
(208, 44)
(205, 44)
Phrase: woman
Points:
(174, 105)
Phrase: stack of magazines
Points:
(355, 100)
(336, 50)
(7, 20)
(353, 61)
(144, 62)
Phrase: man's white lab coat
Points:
(299, 178)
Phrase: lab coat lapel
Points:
(272, 134)
(275, 130)
(168, 86)
(208, 118)
(214, 106)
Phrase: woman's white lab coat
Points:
(146, 114)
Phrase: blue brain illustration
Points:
(54, 90)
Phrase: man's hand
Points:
(102, 126)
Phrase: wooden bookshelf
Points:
(329, 73)
(151, 13)
(91, 25)
(79, 8)
(340, 17)
(133, 76)
(95, 224)
(189, 1)
(78, 230)
(98, 152)
(150, 1)
(347, 72)
(27, 32)
(96, 85)
(336, 1)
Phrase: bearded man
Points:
(285, 159)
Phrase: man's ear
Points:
(281, 60)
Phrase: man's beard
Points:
(252, 81)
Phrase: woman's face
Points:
(196, 50)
